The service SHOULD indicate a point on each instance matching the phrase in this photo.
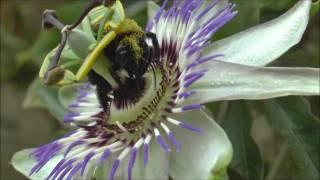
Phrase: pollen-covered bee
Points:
(116, 51)
(132, 53)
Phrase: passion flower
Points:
(132, 132)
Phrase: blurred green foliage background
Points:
(24, 45)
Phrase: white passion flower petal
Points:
(23, 162)
(264, 43)
(67, 95)
(228, 81)
(204, 154)
(157, 165)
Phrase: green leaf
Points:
(220, 175)
(291, 116)
(39, 95)
(314, 8)
(279, 4)
(247, 160)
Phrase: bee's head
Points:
(135, 53)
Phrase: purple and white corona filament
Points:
(182, 32)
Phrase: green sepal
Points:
(68, 78)
(80, 42)
(118, 14)
(60, 75)
(97, 14)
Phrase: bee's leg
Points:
(103, 89)
(114, 73)
(155, 44)
(155, 54)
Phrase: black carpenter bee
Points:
(132, 54)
